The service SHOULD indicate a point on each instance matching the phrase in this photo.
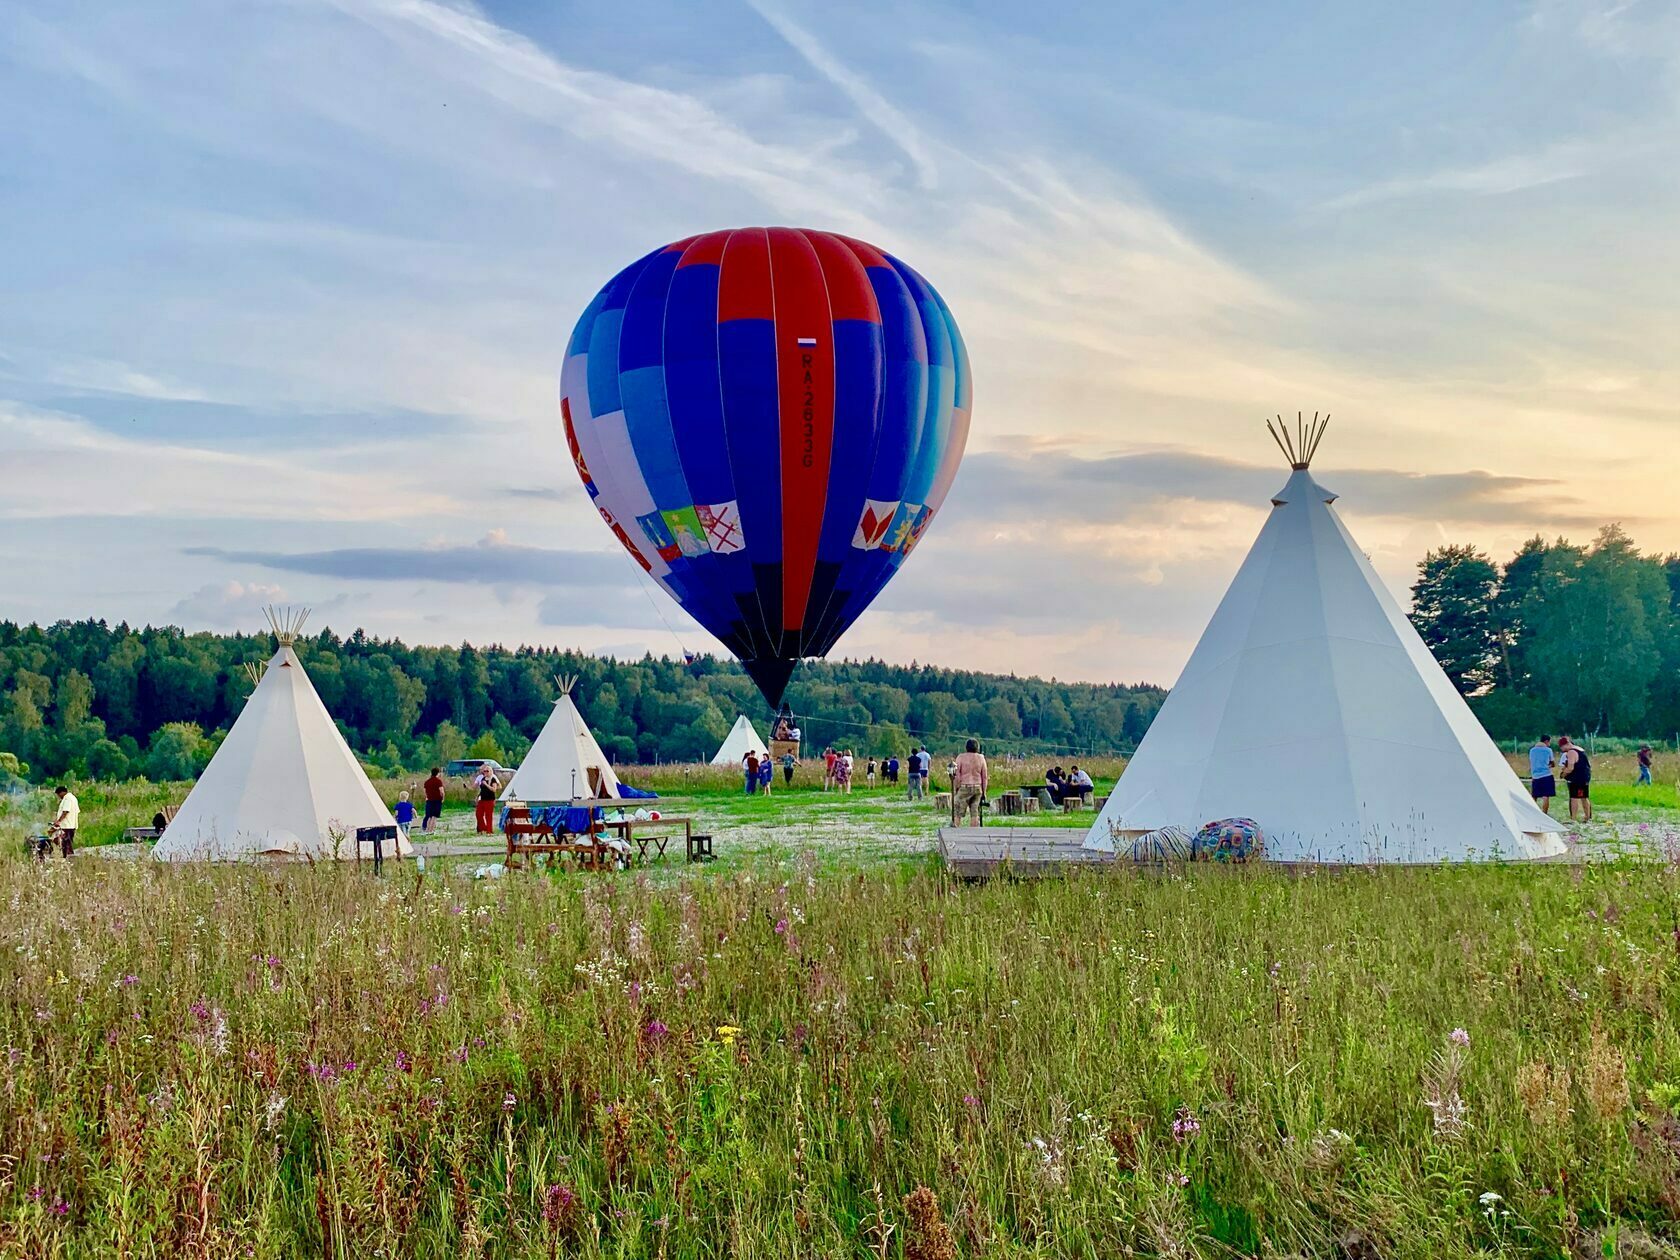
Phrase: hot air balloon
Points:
(767, 419)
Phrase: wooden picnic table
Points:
(525, 836)
(628, 829)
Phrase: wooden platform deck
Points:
(981, 852)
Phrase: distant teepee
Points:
(1312, 706)
(742, 739)
(565, 764)
(283, 782)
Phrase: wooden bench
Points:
(135, 834)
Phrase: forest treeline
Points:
(110, 702)
(1560, 637)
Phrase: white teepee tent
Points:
(565, 764)
(1312, 706)
(741, 740)
(283, 782)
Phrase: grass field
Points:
(820, 1046)
(307, 1062)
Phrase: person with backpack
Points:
(1577, 773)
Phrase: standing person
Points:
(433, 788)
(1542, 778)
(68, 818)
(969, 781)
(484, 812)
(789, 761)
(766, 773)
(912, 777)
(869, 774)
(404, 813)
(843, 773)
(889, 770)
(1644, 779)
(924, 767)
(829, 759)
(1577, 773)
(749, 770)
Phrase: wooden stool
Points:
(942, 801)
(1029, 804)
(700, 849)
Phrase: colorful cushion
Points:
(1229, 840)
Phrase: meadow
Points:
(822, 1046)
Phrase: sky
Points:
(285, 287)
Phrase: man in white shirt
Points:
(69, 816)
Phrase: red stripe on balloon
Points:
(744, 289)
(805, 384)
(867, 254)
(705, 249)
(850, 295)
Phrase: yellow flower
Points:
(727, 1033)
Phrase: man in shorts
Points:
(434, 799)
(1577, 773)
(1542, 776)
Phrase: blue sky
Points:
(286, 287)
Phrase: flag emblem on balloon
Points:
(687, 531)
(872, 525)
(722, 523)
(577, 452)
(898, 532)
(653, 525)
(917, 527)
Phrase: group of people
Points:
(1572, 763)
(837, 769)
(486, 787)
(1069, 785)
(758, 771)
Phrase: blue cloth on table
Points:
(574, 819)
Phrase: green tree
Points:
(486, 747)
(448, 744)
(178, 751)
(1518, 581)
(1452, 608)
(1595, 619)
(74, 700)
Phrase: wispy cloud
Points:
(892, 122)
(489, 562)
(1501, 176)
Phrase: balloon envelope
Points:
(767, 419)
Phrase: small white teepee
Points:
(565, 764)
(283, 781)
(742, 739)
(1312, 706)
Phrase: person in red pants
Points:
(489, 786)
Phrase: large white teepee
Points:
(283, 781)
(565, 764)
(741, 740)
(1312, 706)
